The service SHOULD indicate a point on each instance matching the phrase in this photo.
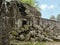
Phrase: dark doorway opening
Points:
(24, 22)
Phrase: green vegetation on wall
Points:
(30, 2)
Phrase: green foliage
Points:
(30, 2)
(52, 17)
(58, 17)
(38, 43)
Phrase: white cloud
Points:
(51, 6)
(45, 6)
(8, 0)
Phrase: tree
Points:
(30, 2)
(58, 17)
(52, 18)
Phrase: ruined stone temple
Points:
(22, 22)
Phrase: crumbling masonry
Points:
(26, 21)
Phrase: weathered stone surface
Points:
(32, 26)
(48, 39)
(28, 24)
(21, 37)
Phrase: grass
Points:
(35, 43)
(38, 43)
(27, 43)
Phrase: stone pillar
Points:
(0, 30)
(5, 31)
(34, 20)
(30, 22)
(4, 28)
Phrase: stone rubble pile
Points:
(32, 34)
(26, 25)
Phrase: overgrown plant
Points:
(30, 2)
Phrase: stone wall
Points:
(25, 26)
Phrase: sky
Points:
(49, 8)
